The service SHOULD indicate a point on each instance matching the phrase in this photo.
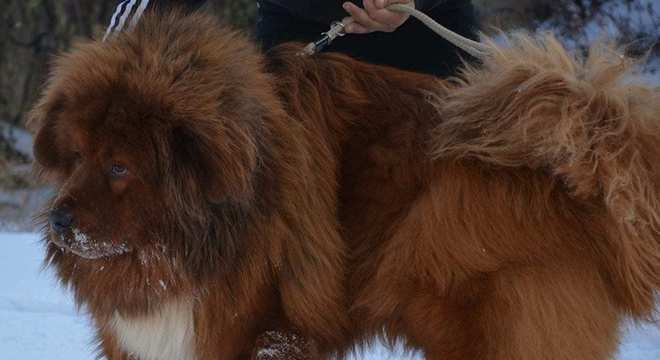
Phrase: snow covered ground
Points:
(39, 322)
(37, 318)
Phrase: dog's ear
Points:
(42, 121)
(223, 158)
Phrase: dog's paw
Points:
(280, 345)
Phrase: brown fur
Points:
(509, 214)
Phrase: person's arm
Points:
(128, 12)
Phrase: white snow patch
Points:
(21, 139)
(37, 318)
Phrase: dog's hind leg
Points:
(562, 311)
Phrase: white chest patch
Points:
(167, 334)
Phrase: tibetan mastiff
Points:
(207, 195)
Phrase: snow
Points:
(81, 245)
(19, 204)
(21, 139)
(38, 320)
(278, 344)
(633, 24)
(613, 20)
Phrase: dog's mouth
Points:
(81, 244)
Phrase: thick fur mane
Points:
(532, 104)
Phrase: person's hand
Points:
(374, 16)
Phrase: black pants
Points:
(411, 47)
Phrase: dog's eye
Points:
(118, 171)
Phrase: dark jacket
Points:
(327, 11)
(321, 11)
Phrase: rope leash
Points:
(472, 47)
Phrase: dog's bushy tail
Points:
(586, 121)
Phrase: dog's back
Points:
(509, 214)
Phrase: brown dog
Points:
(510, 215)
(192, 212)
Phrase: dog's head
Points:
(148, 136)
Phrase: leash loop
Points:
(472, 47)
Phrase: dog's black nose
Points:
(60, 219)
